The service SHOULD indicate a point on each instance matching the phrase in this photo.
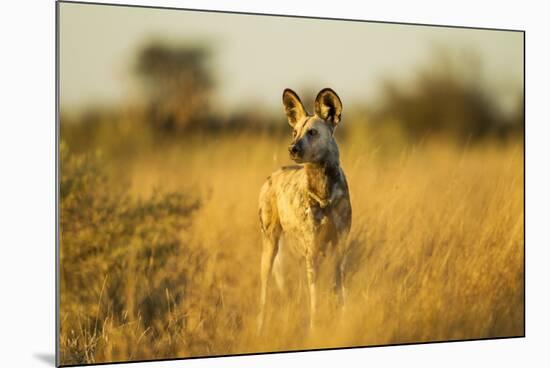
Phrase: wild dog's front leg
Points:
(311, 272)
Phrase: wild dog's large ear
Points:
(294, 108)
(328, 105)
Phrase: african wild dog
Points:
(307, 203)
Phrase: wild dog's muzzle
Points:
(296, 150)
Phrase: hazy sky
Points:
(256, 57)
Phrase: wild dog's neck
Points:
(322, 176)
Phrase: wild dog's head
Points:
(313, 139)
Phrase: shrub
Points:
(124, 262)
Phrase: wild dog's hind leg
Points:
(271, 232)
(278, 266)
(339, 280)
(340, 268)
(269, 251)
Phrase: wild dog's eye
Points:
(294, 133)
(312, 132)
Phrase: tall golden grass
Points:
(165, 263)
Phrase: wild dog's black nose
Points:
(295, 149)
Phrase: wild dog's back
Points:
(283, 202)
(288, 207)
(281, 186)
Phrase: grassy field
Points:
(160, 249)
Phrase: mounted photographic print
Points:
(234, 183)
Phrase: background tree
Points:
(447, 97)
(178, 84)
